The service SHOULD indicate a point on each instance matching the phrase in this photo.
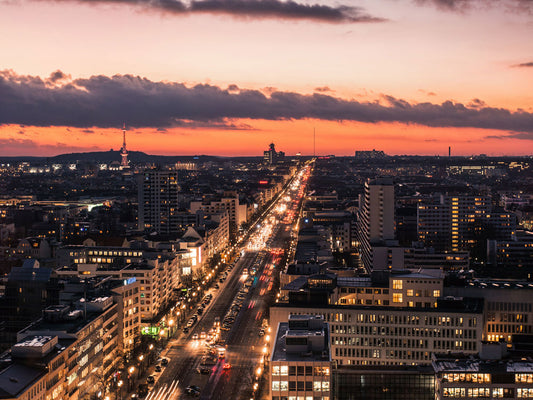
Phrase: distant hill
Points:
(135, 157)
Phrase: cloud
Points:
(476, 103)
(512, 135)
(29, 147)
(524, 65)
(251, 9)
(518, 6)
(323, 89)
(102, 101)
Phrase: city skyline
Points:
(229, 77)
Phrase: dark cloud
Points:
(58, 76)
(524, 65)
(477, 103)
(102, 101)
(323, 89)
(252, 9)
(465, 5)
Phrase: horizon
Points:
(225, 77)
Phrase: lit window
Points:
(436, 293)
(397, 298)
(397, 284)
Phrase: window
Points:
(325, 386)
(284, 385)
(275, 370)
(292, 386)
(410, 293)
(275, 386)
(317, 386)
(284, 370)
(436, 293)
(301, 386)
(397, 284)
(397, 298)
(292, 370)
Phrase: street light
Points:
(119, 389)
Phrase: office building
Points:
(300, 366)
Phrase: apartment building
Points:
(453, 222)
(158, 201)
(228, 202)
(90, 338)
(375, 218)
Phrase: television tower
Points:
(123, 152)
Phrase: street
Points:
(231, 364)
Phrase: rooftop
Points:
(279, 351)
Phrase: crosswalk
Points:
(165, 392)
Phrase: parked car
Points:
(150, 379)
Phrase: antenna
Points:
(314, 142)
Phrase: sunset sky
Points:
(227, 77)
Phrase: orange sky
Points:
(420, 53)
(289, 136)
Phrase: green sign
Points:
(150, 330)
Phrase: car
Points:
(203, 370)
(195, 336)
(192, 390)
(202, 335)
(158, 368)
(185, 330)
(262, 332)
(150, 379)
(226, 366)
(164, 361)
(217, 286)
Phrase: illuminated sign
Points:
(129, 281)
(150, 330)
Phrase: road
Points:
(244, 347)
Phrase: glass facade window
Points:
(397, 284)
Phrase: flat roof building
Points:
(301, 360)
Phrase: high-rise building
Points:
(456, 222)
(158, 201)
(271, 156)
(375, 218)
